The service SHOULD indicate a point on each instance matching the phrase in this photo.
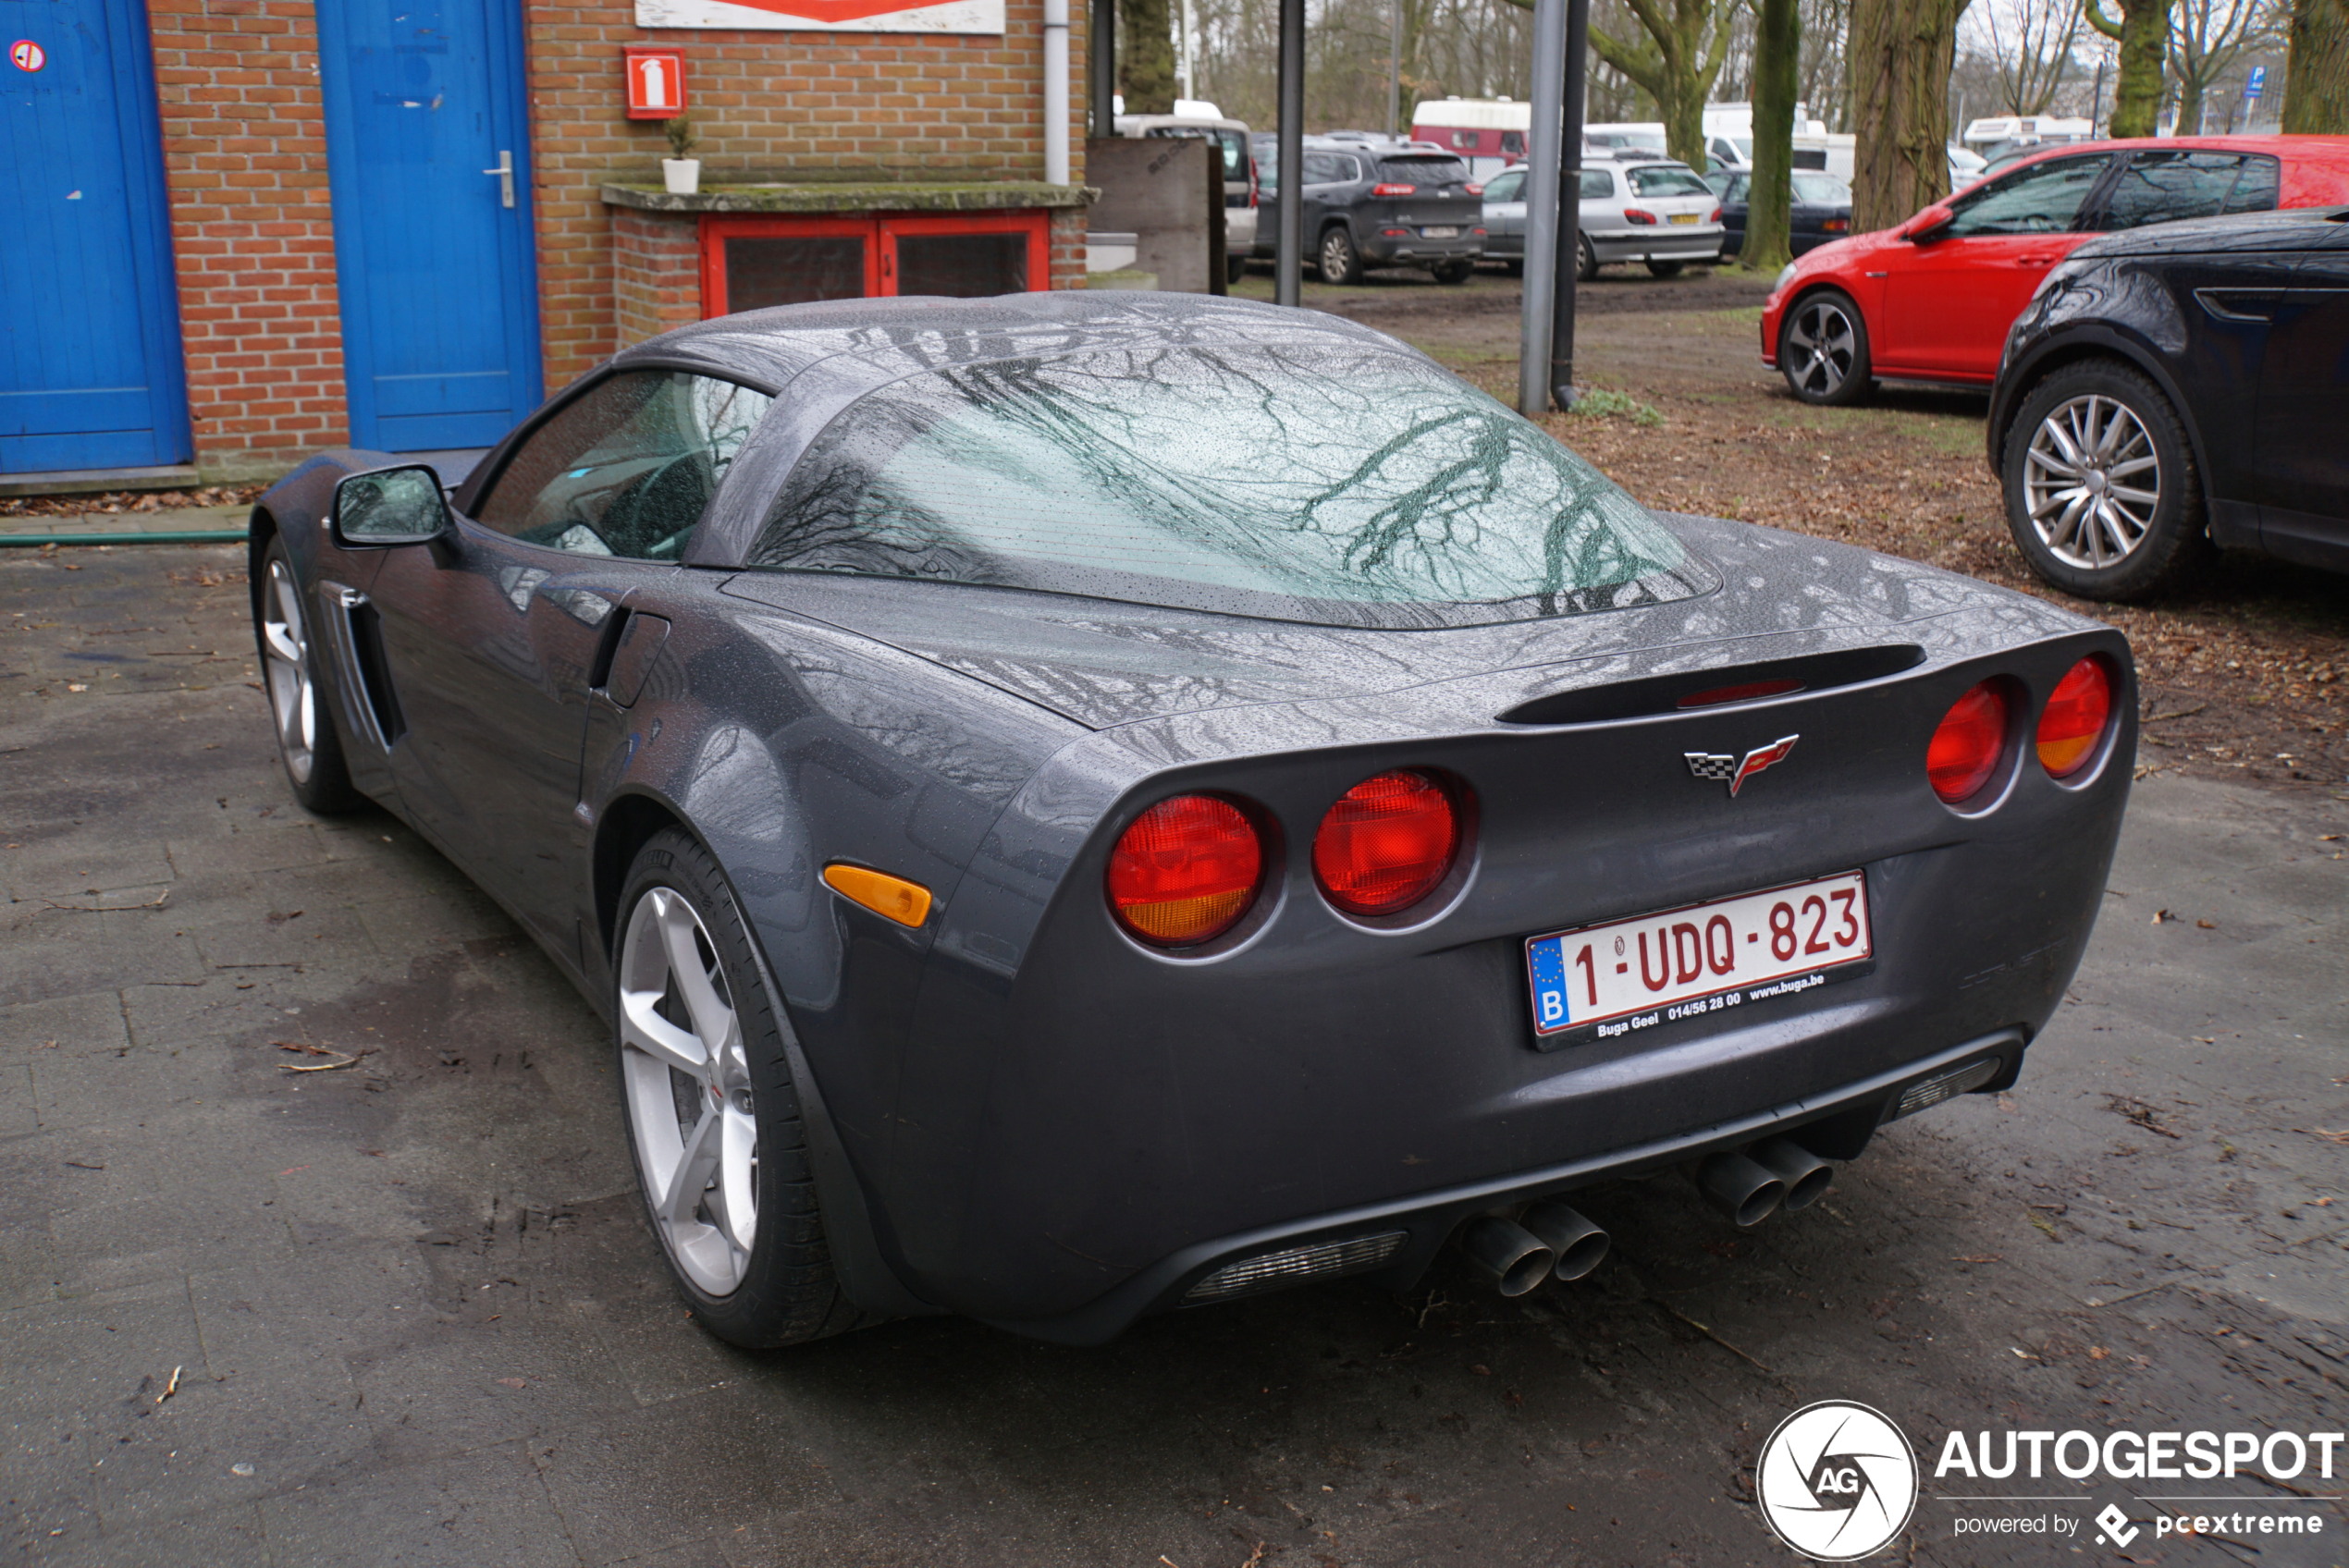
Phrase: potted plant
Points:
(680, 173)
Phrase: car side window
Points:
(1597, 185)
(2255, 189)
(2163, 186)
(627, 468)
(2043, 199)
(1324, 168)
(1507, 186)
(1736, 192)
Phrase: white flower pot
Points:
(683, 175)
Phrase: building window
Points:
(751, 263)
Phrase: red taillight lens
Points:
(1387, 843)
(1392, 189)
(1638, 214)
(1966, 747)
(1715, 217)
(1473, 190)
(2075, 717)
(1185, 871)
(1836, 226)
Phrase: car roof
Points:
(2286, 229)
(2315, 168)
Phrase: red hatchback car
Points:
(1931, 300)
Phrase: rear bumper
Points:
(1658, 244)
(1834, 1125)
(1377, 248)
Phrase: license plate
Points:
(1440, 233)
(1683, 217)
(1708, 958)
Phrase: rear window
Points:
(1340, 484)
(1662, 181)
(1231, 143)
(1824, 190)
(1423, 171)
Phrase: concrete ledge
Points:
(877, 197)
(90, 482)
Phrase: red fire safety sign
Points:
(656, 83)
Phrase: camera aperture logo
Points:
(1837, 1481)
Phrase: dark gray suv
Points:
(1378, 206)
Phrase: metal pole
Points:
(1288, 266)
(1105, 52)
(1056, 92)
(1578, 45)
(1542, 208)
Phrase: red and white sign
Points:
(825, 16)
(656, 83)
(27, 56)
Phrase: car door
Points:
(496, 640)
(1950, 295)
(1330, 179)
(2304, 410)
(1505, 213)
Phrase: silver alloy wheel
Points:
(285, 639)
(1335, 255)
(1822, 345)
(689, 1094)
(2074, 480)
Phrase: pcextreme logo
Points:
(1837, 1481)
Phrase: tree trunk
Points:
(2144, 34)
(1777, 49)
(2315, 82)
(2189, 104)
(1145, 43)
(1901, 56)
(1676, 64)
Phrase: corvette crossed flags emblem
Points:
(1733, 770)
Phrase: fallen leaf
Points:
(2161, 914)
(2204, 925)
(172, 1387)
(2325, 1133)
(512, 1382)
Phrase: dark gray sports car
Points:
(1080, 805)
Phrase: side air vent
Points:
(1719, 687)
(374, 672)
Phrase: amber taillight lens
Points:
(1966, 747)
(2075, 717)
(1185, 871)
(1387, 843)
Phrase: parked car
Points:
(1659, 212)
(1821, 209)
(2177, 387)
(1231, 139)
(1931, 300)
(1077, 804)
(1366, 207)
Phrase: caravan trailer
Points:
(1488, 132)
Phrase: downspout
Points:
(1056, 92)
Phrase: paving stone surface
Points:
(404, 1312)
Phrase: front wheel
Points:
(1340, 265)
(1823, 348)
(713, 1116)
(1454, 271)
(1586, 259)
(308, 743)
(2101, 491)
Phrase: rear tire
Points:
(1340, 266)
(2102, 494)
(713, 1119)
(1586, 259)
(1234, 269)
(1823, 349)
(308, 744)
(1667, 269)
(1453, 272)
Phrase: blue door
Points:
(90, 373)
(425, 106)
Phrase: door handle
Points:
(505, 173)
(2033, 260)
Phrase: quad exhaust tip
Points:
(1549, 1240)
(1776, 1174)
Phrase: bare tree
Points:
(1900, 53)
(2142, 33)
(1145, 56)
(2206, 38)
(2029, 48)
(1778, 52)
(2316, 78)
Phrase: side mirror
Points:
(390, 505)
(1928, 225)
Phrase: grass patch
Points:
(1602, 402)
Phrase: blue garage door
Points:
(432, 254)
(89, 373)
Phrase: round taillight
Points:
(2075, 717)
(1185, 871)
(1966, 747)
(1387, 843)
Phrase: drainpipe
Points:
(1056, 92)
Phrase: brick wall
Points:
(656, 273)
(768, 105)
(245, 158)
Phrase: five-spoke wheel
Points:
(307, 740)
(1823, 348)
(690, 1101)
